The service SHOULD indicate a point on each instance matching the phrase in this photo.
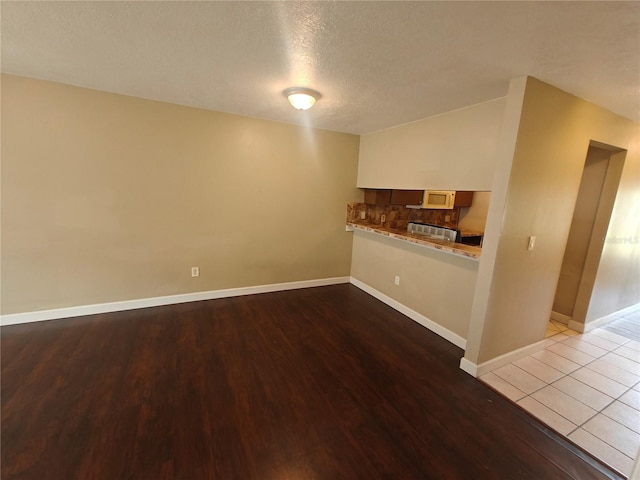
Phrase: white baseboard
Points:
(560, 317)
(577, 326)
(82, 310)
(486, 367)
(598, 322)
(436, 328)
(469, 367)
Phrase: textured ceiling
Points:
(377, 64)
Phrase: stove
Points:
(433, 231)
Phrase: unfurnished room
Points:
(319, 240)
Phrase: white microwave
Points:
(442, 199)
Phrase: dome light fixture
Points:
(301, 98)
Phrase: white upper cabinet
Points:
(453, 151)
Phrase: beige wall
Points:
(540, 188)
(456, 150)
(435, 284)
(475, 216)
(452, 151)
(595, 250)
(617, 277)
(108, 198)
(582, 224)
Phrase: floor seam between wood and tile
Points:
(598, 392)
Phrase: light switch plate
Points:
(532, 242)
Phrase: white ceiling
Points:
(377, 64)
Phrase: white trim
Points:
(82, 310)
(560, 317)
(469, 367)
(509, 357)
(436, 328)
(578, 326)
(598, 322)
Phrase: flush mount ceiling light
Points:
(301, 98)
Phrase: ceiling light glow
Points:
(301, 98)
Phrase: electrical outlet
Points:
(447, 218)
(383, 218)
(396, 280)
(195, 271)
(363, 215)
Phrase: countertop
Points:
(468, 251)
(470, 233)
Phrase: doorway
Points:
(594, 204)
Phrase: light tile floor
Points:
(584, 386)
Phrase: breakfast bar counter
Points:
(454, 248)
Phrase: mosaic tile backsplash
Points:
(398, 216)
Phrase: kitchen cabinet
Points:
(406, 197)
(377, 196)
(463, 199)
(383, 197)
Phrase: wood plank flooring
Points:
(321, 383)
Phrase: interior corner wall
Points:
(554, 132)
(110, 198)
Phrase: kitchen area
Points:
(445, 220)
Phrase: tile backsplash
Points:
(398, 217)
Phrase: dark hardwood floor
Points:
(321, 383)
